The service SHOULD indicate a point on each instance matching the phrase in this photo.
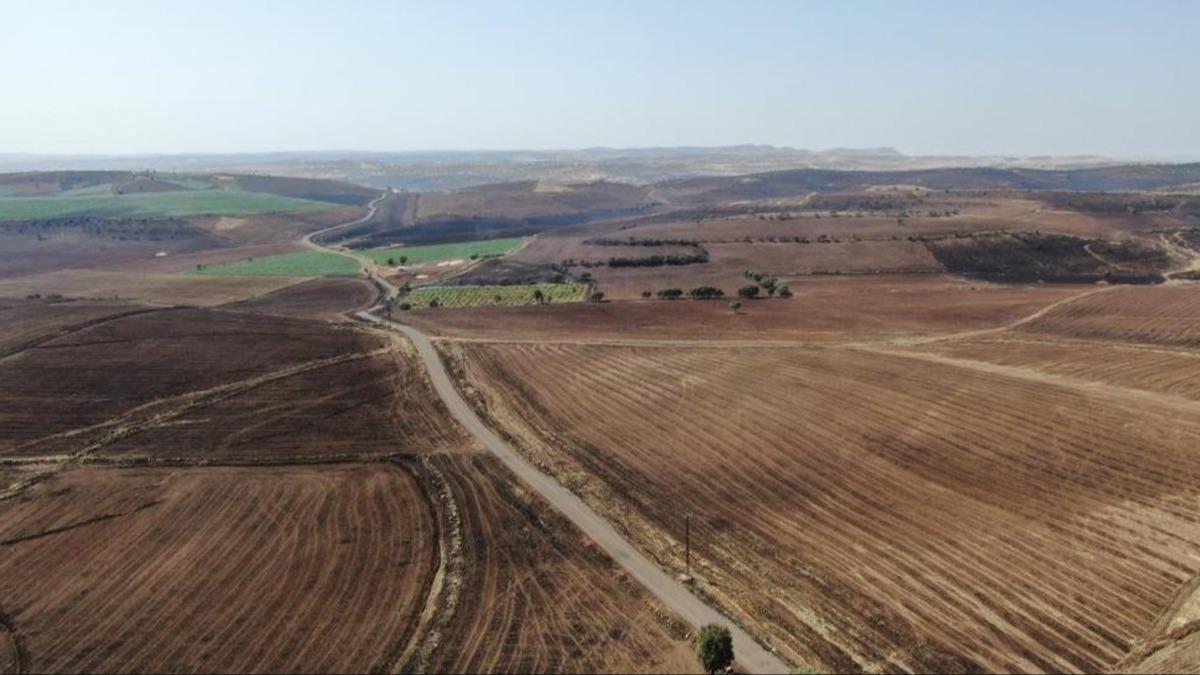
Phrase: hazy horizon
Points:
(935, 78)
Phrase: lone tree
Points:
(735, 306)
(714, 648)
(598, 296)
(538, 296)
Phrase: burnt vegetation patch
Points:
(1024, 257)
(121, 229)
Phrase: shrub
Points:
(706, 292)
(433, 304)
(748, 292)
(714, 648)
(735, 306)
(670, 293)
(598, 296)
(404, 306)
(784, 292)
(646, 294)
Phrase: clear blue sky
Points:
(1007, 77)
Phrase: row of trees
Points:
(635, 241)
(712, 293)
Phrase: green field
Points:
(479, 296)
(155, 204)
(442, 252)
(305, 264)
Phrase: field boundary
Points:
(445, 589)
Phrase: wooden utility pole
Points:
(687, 542)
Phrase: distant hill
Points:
(777, 184)
(449, 170)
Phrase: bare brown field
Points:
(328, 299)
(792, 259)
(1159, 315)
(170, 289)
(529, 199)
(537, 597)
(313, 569)
(824, 309)
(28, 322)
(1163, 370)
(274, 228)
(130, 551)
(371, 406)
(113, 368)
(24, 255)
(872, 511)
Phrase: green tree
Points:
(748, 291)
(714, 648)
(538, 296)
(735, 306)
(403, 260)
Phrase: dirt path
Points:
(1183, 251)
(675, 596)
(1105, 261)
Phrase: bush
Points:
(706, 293)
(646, 294)
(404, 306)
(714, 648)
(748, 292)
(784, 292)
(434, 304)
(735, 306)
(598, 296)
(670, 293)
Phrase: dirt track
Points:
(674, 595)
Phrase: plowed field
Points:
(537, 597)
(865, 510)
(315, 569)
(1160, 315)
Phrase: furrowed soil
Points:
(188, 490)
(868, 510)
(272, 569)
(328, 299)
(110, 369)
(537, 597)
(827, 309)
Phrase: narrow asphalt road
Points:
(751, 656)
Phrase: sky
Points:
(965, 77)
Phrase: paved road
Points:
(673, 595)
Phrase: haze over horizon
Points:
(1021, 79)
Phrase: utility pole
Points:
(687, 542)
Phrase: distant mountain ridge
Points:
(444, 170)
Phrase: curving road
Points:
(751, 656)
(676, 597)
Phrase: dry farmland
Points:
(189, 490)
(312, 569)
(866, 507)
